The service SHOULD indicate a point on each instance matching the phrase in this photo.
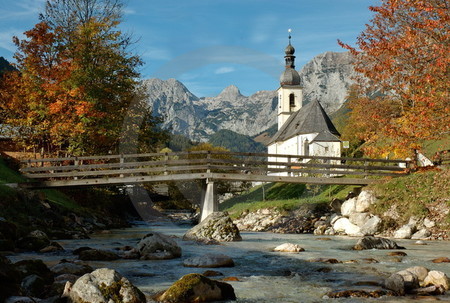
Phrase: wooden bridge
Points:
(208, 166)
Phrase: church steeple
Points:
(289, 51)
(290, 91)
(290, 76)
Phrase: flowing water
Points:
(264, 276)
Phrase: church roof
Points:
(326, 136)
(309, 119)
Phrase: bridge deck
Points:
(184, 166)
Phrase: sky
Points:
(211, 44)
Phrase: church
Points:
(302, 130)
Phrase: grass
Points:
(422, 194)
(284, 197)
(8, 175)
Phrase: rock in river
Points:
(217, 226)
(377, 243)
(103, 285)
(197, 288)
(209, 261)
(156, 246)
(289, 247)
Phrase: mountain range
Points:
(327, 78)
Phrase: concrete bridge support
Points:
(209, 203)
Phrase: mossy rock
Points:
(197, 288)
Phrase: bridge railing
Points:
(198, 164)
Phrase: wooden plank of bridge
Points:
(245, 167)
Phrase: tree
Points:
(77, 80)
(403, 60)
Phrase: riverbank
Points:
(32, 219)
(398, 207)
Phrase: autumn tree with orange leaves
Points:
(76, 81)
(403, 58)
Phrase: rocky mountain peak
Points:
(327, 78)
(230, 93)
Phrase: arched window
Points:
(306, 147)
(292, 102)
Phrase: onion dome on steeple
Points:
(290, 76)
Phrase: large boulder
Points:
(370, 242)
(209, 261)
(404, 232)
(348, 207)
(197, 288)
(35, 240)
(156, 246)
(343, 225)
(103, 285)
(421, 234)
(364, 201)
(371, 226)
(359, 219)
(217, 226)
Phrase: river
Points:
(264, 276)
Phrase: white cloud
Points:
(263, 28)
(6, 39)
(224, 70)
(155, 53)
(21, 9)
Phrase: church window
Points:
(292, 101)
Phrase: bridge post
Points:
(210, 203)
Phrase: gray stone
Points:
(395, 283)
(364, 200)
(420, 271)
(404, 232)
(372, 226)
(93, 287)
(359, 219)
(348, 207)
(370, 242)
(421, 234)
(343, 225)
(410, 280)
(209, 261)
(35, 240)
(156, 246)
(217, 226)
